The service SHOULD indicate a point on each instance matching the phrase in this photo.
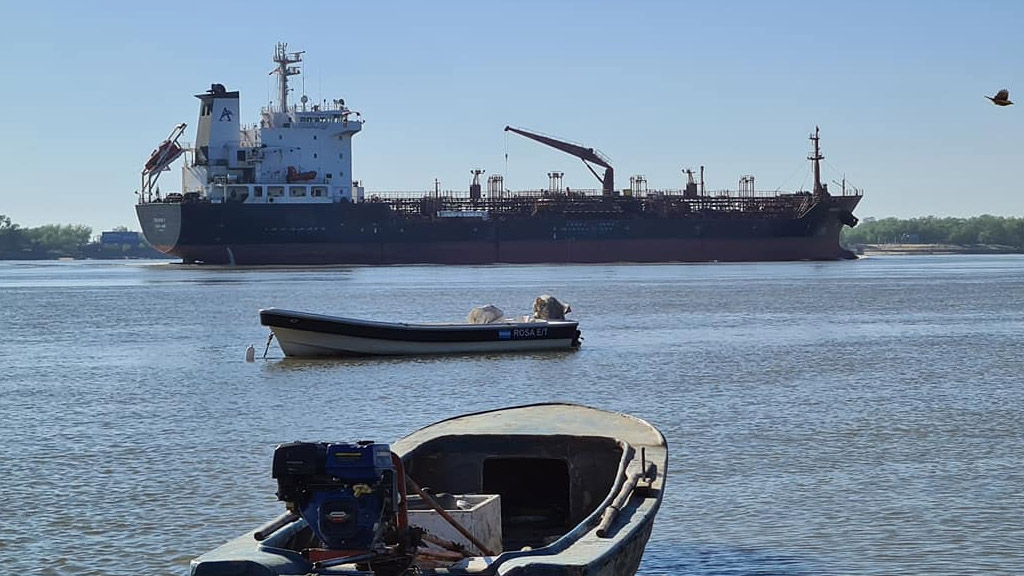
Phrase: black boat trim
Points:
(550, 330)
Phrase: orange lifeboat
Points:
(166, 153)
(296, 176)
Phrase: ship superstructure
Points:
(297, 154)
(283, 192)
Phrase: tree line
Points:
(986, 229)
(54, 241)
(51, 240)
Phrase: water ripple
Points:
(856, 418)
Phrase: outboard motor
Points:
(351, 495)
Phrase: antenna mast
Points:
(816, 158)
(283, 58)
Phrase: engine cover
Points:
(347, 493)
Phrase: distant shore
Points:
(920, 249)
(88, 252)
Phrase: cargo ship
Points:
(282, 192)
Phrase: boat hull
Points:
(305, 335)
(243, 556)
(456, 453)
(370, 234)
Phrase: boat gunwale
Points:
(413, 332)
(399, 446)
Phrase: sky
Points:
(897, 89)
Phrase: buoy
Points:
(250, 354)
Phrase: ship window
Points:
(275, 191)
(314, 136)
(319, 191)
(341, 156)
(257, 191)
(296, 191)
(240, 155)
(314, 155)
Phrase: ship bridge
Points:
(305, 115)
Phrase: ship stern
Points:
(161, 225)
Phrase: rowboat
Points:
(535, 490)
(305, 334)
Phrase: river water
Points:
(858, 417)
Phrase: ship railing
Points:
(386, 195)
(724, 193)
(324, 106)
(327, 111)
(569, 193)
(547, 193)
(717, 199)
(464, 194)
(725, 196)
(723, 206)
(791, 205)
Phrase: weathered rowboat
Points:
(543, 489)
(304, 334)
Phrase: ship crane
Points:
(588, 155)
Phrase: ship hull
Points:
(370, 234)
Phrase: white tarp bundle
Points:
(545, 307)
(485, 315)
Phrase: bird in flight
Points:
(1002, 98)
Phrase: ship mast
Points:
(816, 158)
(283, 58)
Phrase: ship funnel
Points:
(217, 130)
